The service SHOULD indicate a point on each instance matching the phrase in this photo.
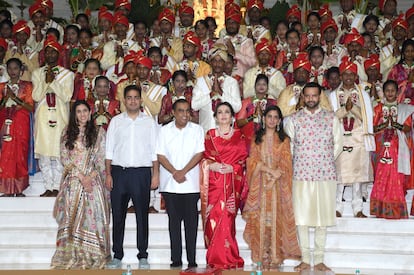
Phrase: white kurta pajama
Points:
(354, 164)
(47, 138)
(316, 140)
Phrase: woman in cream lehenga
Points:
(82, 206)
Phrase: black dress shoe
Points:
(20, 195)
(46, 193)
(54, 193)
(7, 195)
(176, 264)
(190, 265)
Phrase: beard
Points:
(311, 105)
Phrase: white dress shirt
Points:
(131, 142)
(179, 146)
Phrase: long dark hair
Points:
(72, 132)
(281, 133)
(406, 43)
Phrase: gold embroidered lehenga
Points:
(83, 217)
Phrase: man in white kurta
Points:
(316, 142)
(215, 88)
(180, 147)
(352, 105)
(52, 91)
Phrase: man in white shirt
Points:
(131, 171)
(180, 147)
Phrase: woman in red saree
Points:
(270, 223)
(222, 184)
(15, 107)
(249, 118)
(392, 127)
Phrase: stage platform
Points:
(139, 272)
(375, 246)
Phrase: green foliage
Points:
(277, 13)
(142, 10)
(4, 5)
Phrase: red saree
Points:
(220, 198)
(14, 177)
(388, 192)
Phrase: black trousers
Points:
(135, 184)
(182, 207)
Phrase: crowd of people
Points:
(275, 125)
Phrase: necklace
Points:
(348, 126)
(225, 135)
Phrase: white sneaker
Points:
(114, 264)
(143, 264)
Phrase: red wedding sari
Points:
(220, 198)
(14, 177)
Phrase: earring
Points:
(278, 127)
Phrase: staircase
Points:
(28, 234)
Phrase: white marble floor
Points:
(246, 268)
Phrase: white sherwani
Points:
(47, 138)
(202, 101)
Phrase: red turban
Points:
(145, 61)
(353, 36)
(234, 14)
(36, 7)
(105, 14)
(381, 4)
(167, 14)
(409, 13)
(255, 4)
(191, 37)
(324, 10)
(400, 22)
(3, 43)
(330, 23)
(348, 65)
(230, 5)
(302, 61)
(46, 3)
(119, 18)
(265, 45)
(373, 60)
(294, 11)
(21, 26)
(185, 8)
(52, 42)
(123, 3)
(131, 57)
